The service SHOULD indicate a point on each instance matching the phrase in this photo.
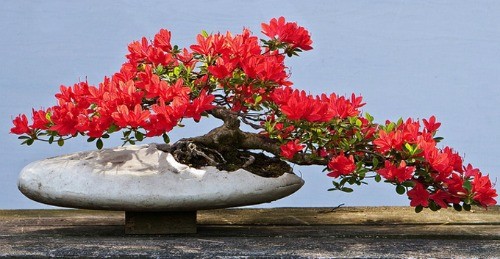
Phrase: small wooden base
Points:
(158, 223)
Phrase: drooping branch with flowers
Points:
(241, 79)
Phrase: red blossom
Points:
(431, 125)
(397, 174)
(40, 120)
(388, 141)
(483, 191)
(134, 118)
(341, 165)
(443, 198)
(290, 149)
(223, 68)
(138, 51)
(199, 105)
(65, 118)
(455, 185)
(186, 58)
(288, 32)
(164, 119)
(419, 195)
(297, 105)
(211, 45)
(20, 125)
(162, 40)
(440, 161)
(341, 107)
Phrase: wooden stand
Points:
(159, 223)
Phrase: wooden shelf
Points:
(296, 232)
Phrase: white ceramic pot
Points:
(143, 178)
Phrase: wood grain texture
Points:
(395, 232)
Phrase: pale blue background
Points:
(407, 58)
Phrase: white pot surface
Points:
(143, 178)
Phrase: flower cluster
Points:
(160, 85)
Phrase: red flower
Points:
(341, 165)
(288, 32)
(455, 185)
(483, 191)
(138, 51)
(418, 196)
(124, 117)
(40, 120)
(431, 125)
(162, 40)
(300, 106)
(442, 198)
(199, 105)
(290, 149)
(211, 45)
(186, 58)
(65, 118)
(222, 68)
(387, 141)
(470, 171)
(20, 125)
(398, 174)
(440, 161)
(164, 119)
(340, 106)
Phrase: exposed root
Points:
(197, 155)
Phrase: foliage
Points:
(160, 85)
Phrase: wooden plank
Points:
(348, 216)
(282, 232)
(159, 223)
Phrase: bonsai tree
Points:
(241, 80)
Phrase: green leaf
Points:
(51, 139)
(369, 117)
(99, 144)
(457, 207)
(177, 71)
(166, 139)
(112, 128)
(378, 178)
(347, 189)
(433, 206)
(139, 136)
(467, 207)
(358, 136)
(60, 142)
(409, 147)
(375, 162)
(48, 117)
(204, 33)
(258, 99)
(400, 189)
(467, 185)
(419, 209)
(159, 69)
(438, 139)
(359, 123)
(29, 142)
(90, 139)
(408, 184)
